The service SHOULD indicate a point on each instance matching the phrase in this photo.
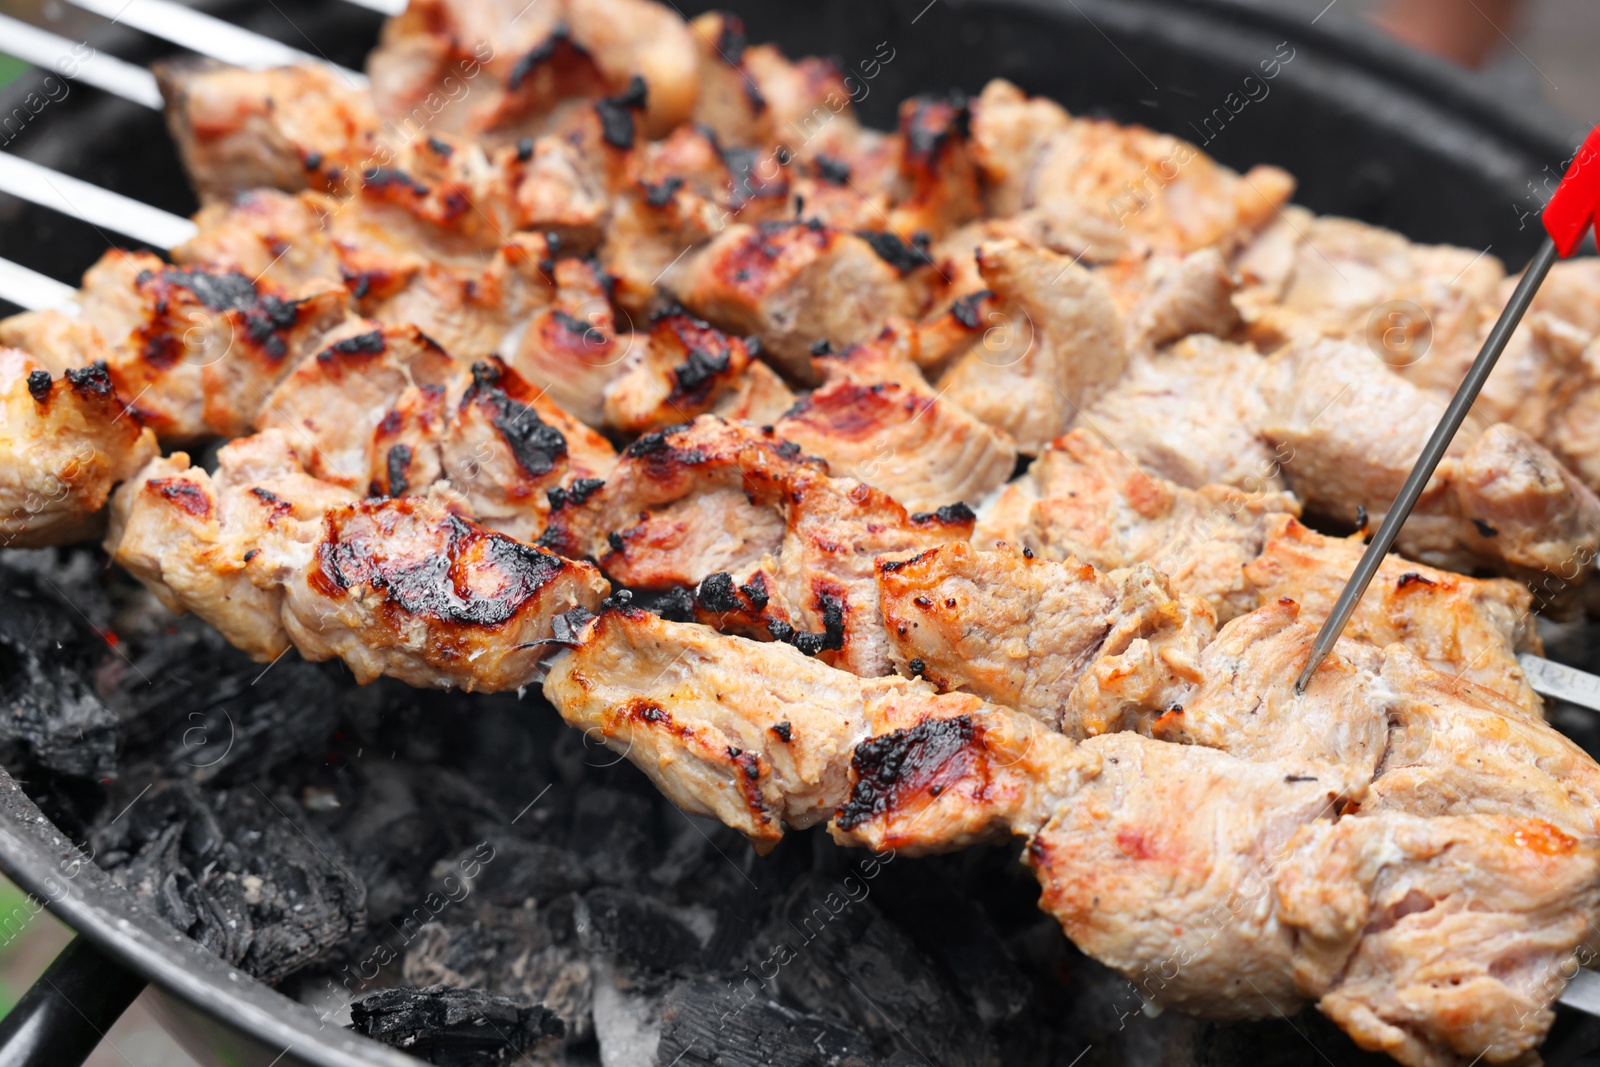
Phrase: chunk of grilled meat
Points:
(1408, 851)
(194, 351)
(1049, 343)
(1082, 652)
(793, 284)
(64, 444)
(1352, 431)
(1421, 307)
(387, 412)
(877, 419)
(288, 128)
(1102, 190)
(1082, 498)
(1468, 628)
(406, 588)
(685, 367)
(502, 70)
(756, 735)
(777, 547)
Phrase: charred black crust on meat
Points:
(525, 151)
(1410, 578)
(831, 639)
(755, 590)
(748, 185)
(917, 668)
(616, 113)
(903, 257)
(93, 380)
(965, 310)
(392, 178)
(717, 593)
(431, 587)
(558, 44)
(1485, 529)
(39, 385)
(957, 514)
(933, 122)
(677, 605)
(265, 316)
(576, 494)
(833, 171)
(371, 343)
(891, 767)
(536, 445)
(397, 465)
(614, 539)
(660, 194)
(694, 376)
(783, 730)
(182, 493)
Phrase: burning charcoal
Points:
(458, 1027)
(408, 817)
(243, 874)
(523, 870)
(707, 1022)
(525, 953)
(636, 928)
(48, 715)
(611, 830)
(835, 954)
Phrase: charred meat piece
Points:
(755, 735)
(792, 285)
(1083, 653)
(777, 547)
(503, 73)
(684, 367)
(405, 588)
(387, 413)
(194, 351)
(64, 444)
(1084, 498)
(877, 419)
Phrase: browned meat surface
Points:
(64, 443)
(1466, 627)
(756, 735)
(290, 128)
(792, 285)
(1351, 431)
(1053, 342)
(1408, 851)
(877, 419)
(1099, 189)
(193, 351)
(386, 412)
(503, 69)
(777, 548)
(1420, 307)
(1082, 498)
(400, 588)
(1192, 414)
(1084, 653)
(684, 367)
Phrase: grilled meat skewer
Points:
(1310, 862)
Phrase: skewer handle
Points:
(1432, 453)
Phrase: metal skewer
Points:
(1568, 218)
(209, 35)
(55, 53)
